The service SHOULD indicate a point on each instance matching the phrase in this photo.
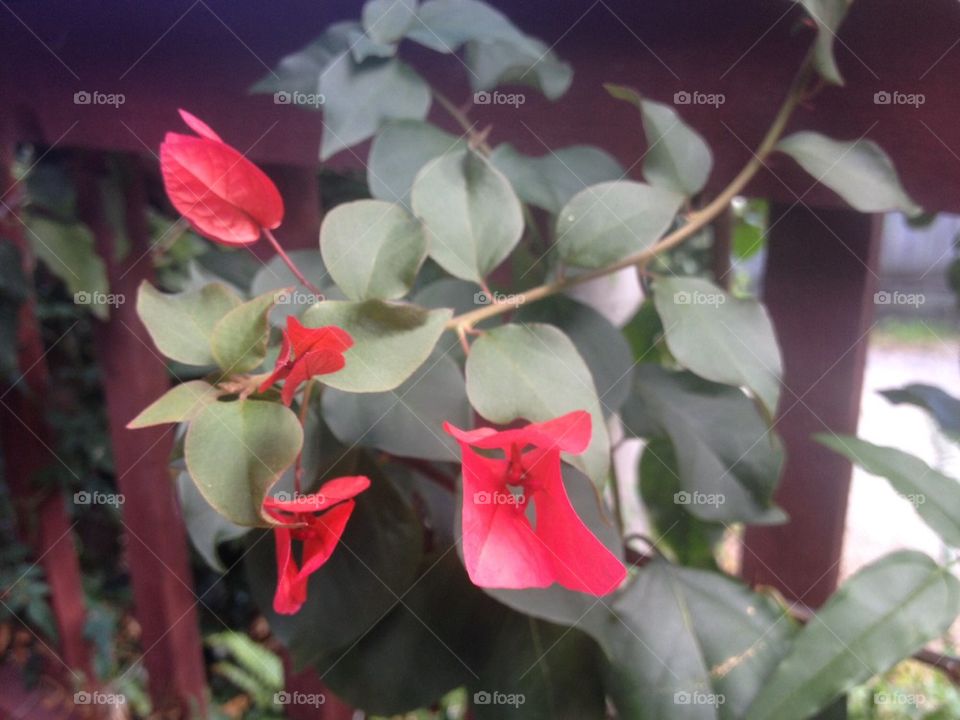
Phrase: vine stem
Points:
(695, 220)
(304, 409)
(290, 264)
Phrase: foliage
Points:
(443, 332)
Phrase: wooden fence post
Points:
(134, 375)
(819, 286)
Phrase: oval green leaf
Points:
(178, 404)
(608, 221)
(391, 340)
(372, 248)
(535, 372)
(472, 216)
(239, 339)
(235, 451)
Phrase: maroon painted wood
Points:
(134, 375)
(819, 286)
(28, 444)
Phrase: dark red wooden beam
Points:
(28, 450)
(134, 375)
(819, 284)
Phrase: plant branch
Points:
(290, 264)
(695, 220)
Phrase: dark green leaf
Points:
(472, 216)
(611, 220)
(719, 337)
(235, 451)
(206, 527)
(373, 249)
(729, 461)
(944, 408)
(391, 340)
(239, 339)
(935, 496)
(677, 157)
(515, 371)
(549, 181)
(882, 614)
(601, 345)
(860, 172)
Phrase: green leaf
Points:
(611, 220)
(13, 292)
(408, 421)
(432, 641)
(860, 171)
(373, 249)
(704, 653)
(472, 216)
(944, 408)
(530, 62)
(374, 563)
(391, 340)
(828, 15)
(398, 152)
(68, 251)
(206, 527)
(549, 181)
(239, 339)
(719, 337)
(235, 451)
(445, 25)
(535, 372)
(729, 462)
(539, 671)
(601, 345)
(935, 496)
(882, 614)
(178, 404)
(677, 157)
(458, 295)
(275, 275)
(299, 72)
(181, 325)
(360, 97)
(387, 21)
(684, 536)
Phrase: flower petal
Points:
(330, 493)
(198, 126)
(328, 337)
(315, 362)
(580, 561)
(324, 534)
(569, 433)
(224, 196)
(291, 590)
(500, 548)
(280, 368)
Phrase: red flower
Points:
(306, 352)
(501, 547)
(224, 196)
(319, 534)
